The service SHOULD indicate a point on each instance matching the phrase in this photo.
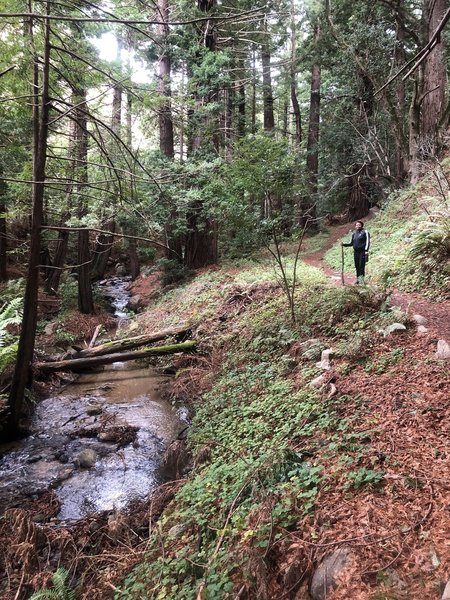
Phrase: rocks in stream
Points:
(87, 458)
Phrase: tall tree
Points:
(41, 89)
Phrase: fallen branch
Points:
(86, 363)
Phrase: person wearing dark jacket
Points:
(360, 242)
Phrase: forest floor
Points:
(387, 508)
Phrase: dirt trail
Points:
(437, 314)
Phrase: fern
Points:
(60, 590)
(431, 246)
(10, 314)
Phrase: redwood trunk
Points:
(3, 244)
(435, 77)
(22, 372)
(85, 298)
(269, 118)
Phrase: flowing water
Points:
(118, 417)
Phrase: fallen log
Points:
(77, 364)
(127, 343)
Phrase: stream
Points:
(98, 442)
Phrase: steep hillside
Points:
(304, 474)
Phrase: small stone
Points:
(422, 330)
(94, 409)
(392, 328)
(106, 436)
(39, 518)
(419, 319)
(50, 328)
(325, 577)
(443, 350)
(446, 594)
(34, 459)
(318, 381)
(325, 359)
(177, 530)
(87, 458)
(63, 458)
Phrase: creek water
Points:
(94, 415)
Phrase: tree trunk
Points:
(401, 150)
(165, 111)
(254, 89)
(3, 240)
(87, 363)
(435, 79)
(102, 252)
(358, 200)
(269, 118)
(201, 244)
(414, 170)
(22, 372)
(240, 93)
(135, 268)
(293, 80)
(53, 280)
(201, 240)
(308, 203)
(85, 298)
(129, 343)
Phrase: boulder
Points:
(326, 575)
(134, 303)
(87, 458)
(443, 350)
(94, 409)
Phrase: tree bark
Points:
(435, 78)
(308, 204)
(401, 149)
(85, 298)
(358, 201)
(269, 118)
(102, 252)
(129, 343)
(201, 243)
(3, 233)
(22, 372)
(87, 363)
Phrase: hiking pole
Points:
(342, 265)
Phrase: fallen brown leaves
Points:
(101, 549)
(399, 531)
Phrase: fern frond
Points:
(60, 591)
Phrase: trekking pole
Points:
(342, 265)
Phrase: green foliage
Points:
(384, 362)
(10, 314)
(60, 591)
(361, 477)
(430, 248)
(172, 271)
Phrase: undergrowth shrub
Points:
(10, 315)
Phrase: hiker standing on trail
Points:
(360, 242)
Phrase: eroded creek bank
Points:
(98, 443)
